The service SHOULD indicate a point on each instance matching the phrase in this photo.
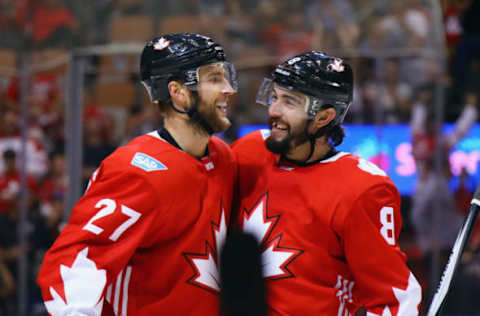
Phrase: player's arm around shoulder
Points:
(369, 228)
(105, 227)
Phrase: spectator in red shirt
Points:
(10, 138)
(10, 183)
(56, 181)
(51, 22)
(294, 38)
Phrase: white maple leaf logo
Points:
(162, 43)
(206, 265)
(336, 65)
(275, 258)
(410, 298)
(83, 285)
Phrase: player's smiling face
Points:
(288, 118)
(214, 90)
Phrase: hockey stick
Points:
(457, 251)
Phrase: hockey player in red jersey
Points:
(145, 237)
(327, 221)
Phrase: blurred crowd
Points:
(400, 64)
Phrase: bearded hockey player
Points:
(327, 221)
(144, 239)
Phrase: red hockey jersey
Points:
(144, 238)
(328, 233)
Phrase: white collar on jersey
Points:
(337, 156)
(207, 160)
(156, 135)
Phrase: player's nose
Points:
(228, 88)
(275, 109)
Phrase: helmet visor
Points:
(265, 91)
(271, 92)
(219, 76)
(281, 99)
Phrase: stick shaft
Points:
(457, 252)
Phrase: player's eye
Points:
(273, 98)
(289, 102)
(215, 78)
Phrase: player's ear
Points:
(179, 94)
(324, 117)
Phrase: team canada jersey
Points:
(144, 238)
(328, 233)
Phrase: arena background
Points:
(70, 94)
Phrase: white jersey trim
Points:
(121, 287)
(335, 157)
(156, 135)
(126, 283)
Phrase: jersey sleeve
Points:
(105, 227)
(382, 279)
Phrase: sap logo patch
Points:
(147, 163)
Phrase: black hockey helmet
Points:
(177, 57)
(327, 80)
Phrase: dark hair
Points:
(9, 154)
(335, 135)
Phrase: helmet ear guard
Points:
(157, 89)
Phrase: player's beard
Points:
(216, 121)
(284, 145)
(210, 115)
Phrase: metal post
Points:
(379, 112)
(22, 223)
(73, 131)
(439, 55)
(74, 114)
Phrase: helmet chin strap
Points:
(194, 115)
(312, 138)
